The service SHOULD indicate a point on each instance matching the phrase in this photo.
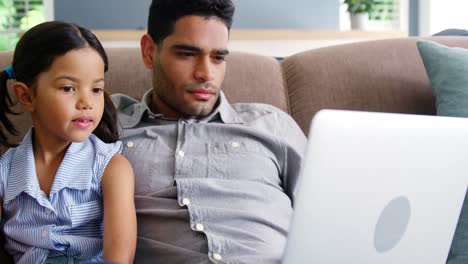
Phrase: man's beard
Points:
(162, 83)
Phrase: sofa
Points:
(382, 75)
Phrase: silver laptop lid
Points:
(379, 188)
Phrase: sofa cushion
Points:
(382, 76)
(249, 77)
(447, 69)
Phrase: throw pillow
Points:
(447, 69)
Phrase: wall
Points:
(413, 18)
(125, 14)
(300, 14)
(104, 14)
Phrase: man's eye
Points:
(98, 90)
(220, 58)
(185, 54)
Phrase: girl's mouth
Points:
(82, 122)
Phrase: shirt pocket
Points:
(243, 159)
(86, 213)
(151, 160)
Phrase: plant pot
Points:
(359, 21)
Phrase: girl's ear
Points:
(24, 95)
(148, 48)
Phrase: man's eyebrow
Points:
(198, 49)
(186, 47)
(222, 52)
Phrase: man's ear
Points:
(148, 49)
(24, 95)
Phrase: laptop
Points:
(379, 188)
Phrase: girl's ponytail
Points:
(6, 103)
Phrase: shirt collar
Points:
(131, 111)
(24, 177)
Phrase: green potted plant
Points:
(359, 11)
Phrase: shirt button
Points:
(199, 227)
(180, 153)
(235, 144)
(130, 144)
(217, 256)
(49, 212)
(44, 233)
(185, 201)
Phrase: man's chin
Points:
(200, 112)
(197, 108)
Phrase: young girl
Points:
(66, 192)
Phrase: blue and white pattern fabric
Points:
(69, 222)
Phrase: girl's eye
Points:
(98, 90)
(68, 89)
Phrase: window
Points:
(17, 16)
(436, 15)
(389, 15)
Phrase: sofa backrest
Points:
(249, 78)
(382, 75)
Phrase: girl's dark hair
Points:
(35, 53)
(163, 14)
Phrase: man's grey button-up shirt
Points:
(213, 190)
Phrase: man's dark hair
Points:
(163, 14)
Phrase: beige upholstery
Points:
(382, 75)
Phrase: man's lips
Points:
(82, 122)
(202, 94)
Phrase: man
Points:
(214, 182)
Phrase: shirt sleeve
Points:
(295, 144)
(104, 153)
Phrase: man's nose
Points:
(204, 71)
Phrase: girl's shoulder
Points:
(103, 152)
(7, 156)
(5, 165)
(6, 159)
(103, 148)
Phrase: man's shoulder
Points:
(123, 100)
(256, 108)
(129, 109)
(270, 119)
(253, 111)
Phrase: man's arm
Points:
(295, 146)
